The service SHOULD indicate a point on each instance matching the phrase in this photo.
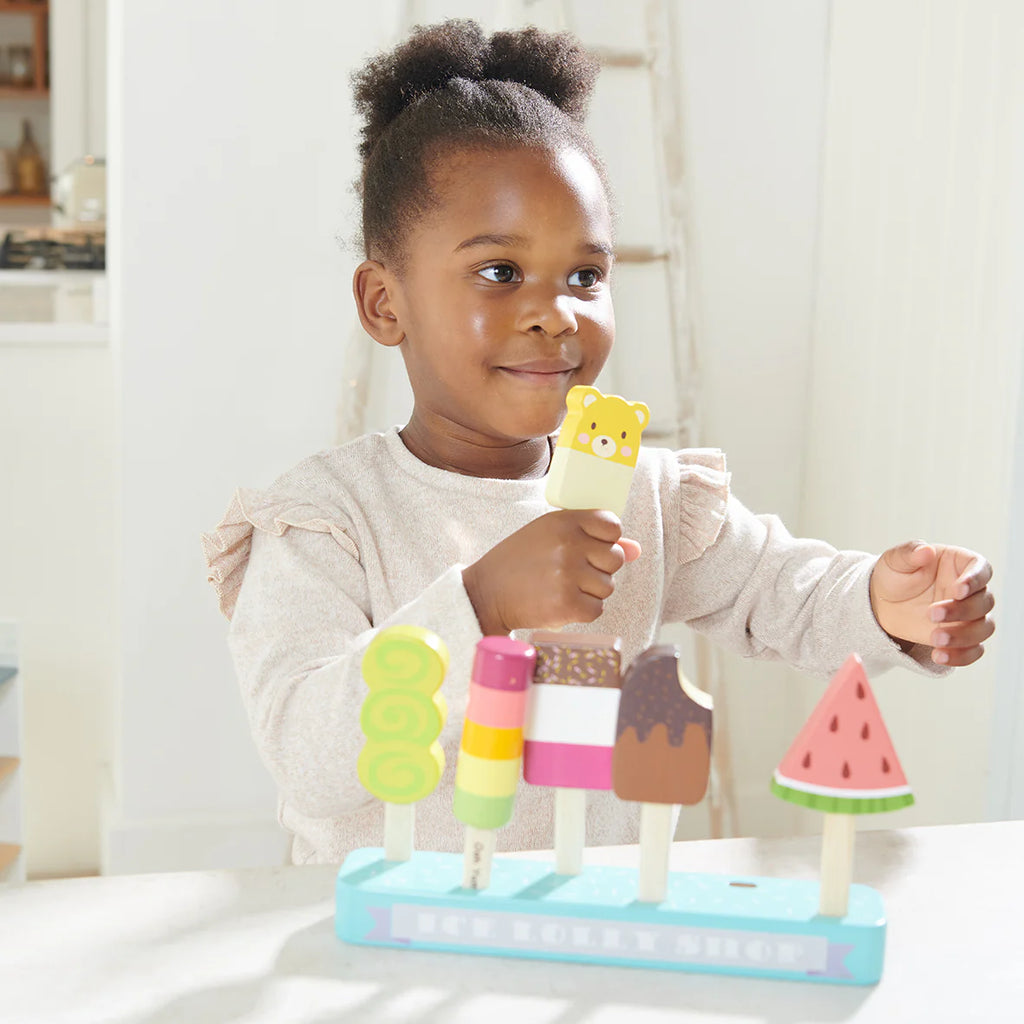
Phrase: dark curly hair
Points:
(450, 85)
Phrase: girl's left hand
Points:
(936, 595)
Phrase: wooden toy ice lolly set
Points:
(560, 709)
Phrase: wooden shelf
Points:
(8, 766)
(10, 92)
(40, 15)
(8, 854)
(16, 200)
(22, 7)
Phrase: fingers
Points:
(960, 643)
(909, 556)
(965, 622)
(596, 584)
(605, 551)
(974, 578)
(963, 634)
(601, 525)
(609, 550)
(959, 657)
(631, 549)
(606, 558)
(977, 606)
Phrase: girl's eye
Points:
(500, 273)
(585, 278)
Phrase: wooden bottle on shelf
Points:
(29, 169)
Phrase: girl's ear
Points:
(373, 288)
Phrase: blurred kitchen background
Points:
(53, 130)
(821, 258)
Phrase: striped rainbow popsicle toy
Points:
(490, 754)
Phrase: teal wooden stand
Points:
(718, 924)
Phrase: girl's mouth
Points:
(541, 371)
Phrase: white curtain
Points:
(917, 355)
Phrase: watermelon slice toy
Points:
(842, 763)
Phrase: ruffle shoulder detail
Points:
(226, 547)
(703, 499)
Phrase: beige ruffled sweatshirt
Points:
(366, 536)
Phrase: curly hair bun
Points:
(553, 64)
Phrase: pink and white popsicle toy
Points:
(569, 733)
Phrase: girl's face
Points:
(504, 302)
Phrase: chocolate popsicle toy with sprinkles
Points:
(662, 755)
(491, 750)
(571, 715)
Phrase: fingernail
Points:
(937, 614)
(963, 590)
(940, 657)
(940, 639)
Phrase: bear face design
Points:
(603, 425)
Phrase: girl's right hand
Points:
(555, 570)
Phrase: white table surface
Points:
(259, 946)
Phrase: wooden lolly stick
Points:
(570, 830)
(655, 844)
(399, 828)
(839, 832)
(479, 853)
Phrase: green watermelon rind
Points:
(842, 804)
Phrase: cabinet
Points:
(37, 15)
(24, 23)
(12, 856)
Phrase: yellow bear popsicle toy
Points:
(596, 451)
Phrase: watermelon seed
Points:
(860, 691)
(807, 760)
(834, 724)
(885, 765)
(864, 733)
(846, 769)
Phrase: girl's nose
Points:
(552, 315)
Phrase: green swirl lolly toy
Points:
(402, 717)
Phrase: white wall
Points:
(234, 140)
(57, 552)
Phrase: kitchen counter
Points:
(259, 946)
(53, 307)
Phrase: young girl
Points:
(489, 247)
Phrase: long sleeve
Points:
(763, 593)
(300, 626)
(350, 541)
